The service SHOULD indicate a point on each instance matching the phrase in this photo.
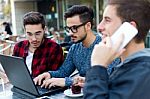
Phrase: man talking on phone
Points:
(131, 78)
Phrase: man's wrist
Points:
(68, 81)
(49, 75)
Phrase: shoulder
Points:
(76, 46)
(22, 43)
(50, 43)
(134, 66)
(20, 48)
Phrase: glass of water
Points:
(2, 86)
(4, 94)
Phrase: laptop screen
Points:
(18, 74)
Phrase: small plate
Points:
(69, 93)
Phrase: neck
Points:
(32, 49)
(89, 39)
(131, 48)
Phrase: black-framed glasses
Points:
(74, 28)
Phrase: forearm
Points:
(66, 69)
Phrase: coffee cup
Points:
(76, 89)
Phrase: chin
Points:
(77, 41)
(35, 46)
(74, 41)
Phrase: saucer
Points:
(69, 93)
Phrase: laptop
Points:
(19, 76)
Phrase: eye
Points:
(74, 27)
(37, 33)
(30, 34)
(107, 20)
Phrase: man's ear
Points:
(134, 24)
(88, 25)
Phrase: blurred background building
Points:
(5, 12)
(53, 11)
(13, 10)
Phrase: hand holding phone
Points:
(129, 32)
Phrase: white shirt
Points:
(29, 59)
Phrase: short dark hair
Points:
(137, 11)
(5, 23)
(34, 18)
(85, 13)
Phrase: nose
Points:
(70, 33)
(33, 37)
(100, 27)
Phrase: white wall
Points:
(20, 9)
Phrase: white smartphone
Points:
(129, 32)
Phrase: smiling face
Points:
(77, 34)
(110, 22)
(35, 34)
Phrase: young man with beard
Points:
(40, 53)
(130, 79)
(79, 19)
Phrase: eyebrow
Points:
(74, 24)
(38, 32)
(35, 32)
(107, 18)
(71, 26)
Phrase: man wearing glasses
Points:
(40, 53)
(79, 21)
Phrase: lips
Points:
(73, 37)
(35, 43)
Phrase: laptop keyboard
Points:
(45, 90)
(42, 90)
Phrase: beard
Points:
(82, 39)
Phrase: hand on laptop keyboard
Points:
(53, 82)
(38, 80)
(52, 89)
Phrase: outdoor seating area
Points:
(74, 49)
(6, 47)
